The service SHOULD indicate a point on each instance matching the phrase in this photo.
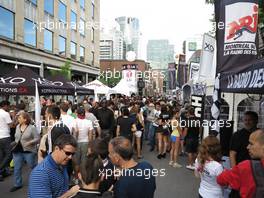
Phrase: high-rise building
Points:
(129, 26)
(111, 43)
(44, 34)
(160, 53)
(106, 49)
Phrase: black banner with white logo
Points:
(22, 82)
(249, 80)
(197, 103)
(237, 43)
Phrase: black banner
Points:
(249, 80)
(237, 38)
(22, 82)
(197, 103)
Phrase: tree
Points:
(110, 82)
(64, 71)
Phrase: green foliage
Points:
(64, 71)
(110, 82)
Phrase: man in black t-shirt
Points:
(240, 141)
(136, 180)
(125, 125)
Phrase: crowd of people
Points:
(94, 149)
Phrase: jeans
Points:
(146, 129)
(19, 159)
(151, 135)
(5, 153)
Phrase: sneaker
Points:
(163, 155)
(171, 163)
(15, 188)
(159, 156)
(176, 165)
(190, 167)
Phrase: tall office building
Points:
(111, 43)
(160, 53)
(129, 26)
(44, 34)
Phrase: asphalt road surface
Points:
(178, 182)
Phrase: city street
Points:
(180, 182)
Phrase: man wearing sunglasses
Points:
(50, 177)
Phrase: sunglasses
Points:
(68, 153)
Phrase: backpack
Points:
(258, 174)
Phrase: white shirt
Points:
(69, 121)
(208, 186)
(5, 119)
(83, 126)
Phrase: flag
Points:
(37, 109)
(208, 54)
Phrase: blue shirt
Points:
(141, 184)
(48, 180)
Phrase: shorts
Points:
(81, 152)
(138, 134)
(191, 145)
(173, 138)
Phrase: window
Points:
(49, 6)
(92, 58)
(73, 50)
(82, 4)
(62, 12)
(82, 49)
(93, 9)
(6, 23)
(30, 34)
(34, 1)
(92, 35)
(62, 46)
(81, 27)
(73, 20)
(48, 40)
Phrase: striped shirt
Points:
(48, 180)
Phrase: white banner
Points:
(129, 75)
(194, 72)
(208, 58)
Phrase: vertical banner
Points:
(237, 43)
(197, 102)
(129, 74)
(172, 76)
(182, 71)
(207, 63)
(194, 71)
(37, 109)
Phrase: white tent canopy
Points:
(98, 87)
(122, 88)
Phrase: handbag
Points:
(17, 147)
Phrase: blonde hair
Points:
(210, 147)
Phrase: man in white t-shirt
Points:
(67, 119)
(5, 150)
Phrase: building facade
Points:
(44, 34)
(130, 28)
(106, 49)
(191, 45)
(111, 43)
(142, 72)
(160, 53)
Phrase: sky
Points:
(174, 20)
